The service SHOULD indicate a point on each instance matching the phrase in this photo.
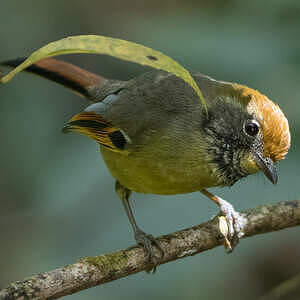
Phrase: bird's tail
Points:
(77, 79)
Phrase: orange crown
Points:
(275, 126)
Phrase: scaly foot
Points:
(234, 222)
(148, 241)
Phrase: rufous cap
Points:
(275, 126)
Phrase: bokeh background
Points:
(56, 195)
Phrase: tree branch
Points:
(92, 271)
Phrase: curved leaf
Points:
(96, 44)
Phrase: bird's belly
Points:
(157, 176)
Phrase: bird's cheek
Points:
(248, 164)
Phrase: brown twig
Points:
(92, 271)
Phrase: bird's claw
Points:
(148, 241)
(234, 223)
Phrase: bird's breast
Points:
(159, 175)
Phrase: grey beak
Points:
(267, 166)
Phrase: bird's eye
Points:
(251, 127)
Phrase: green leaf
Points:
(96, 44)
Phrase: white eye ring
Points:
(251, 127)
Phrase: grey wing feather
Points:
(148, 105)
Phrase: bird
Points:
(156, 136)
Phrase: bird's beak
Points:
(86, 123)
(267, 166)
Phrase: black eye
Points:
(251, 127)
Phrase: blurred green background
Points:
(57, 198)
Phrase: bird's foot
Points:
(235, 224)
(148, 241)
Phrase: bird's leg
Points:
(146, 240)
(233, 218)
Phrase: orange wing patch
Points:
(97, 128)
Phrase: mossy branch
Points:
(92, 271)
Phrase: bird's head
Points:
(246, 133)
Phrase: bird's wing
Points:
(99, 129)
(94, 122)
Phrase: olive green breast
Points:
(160, 173)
